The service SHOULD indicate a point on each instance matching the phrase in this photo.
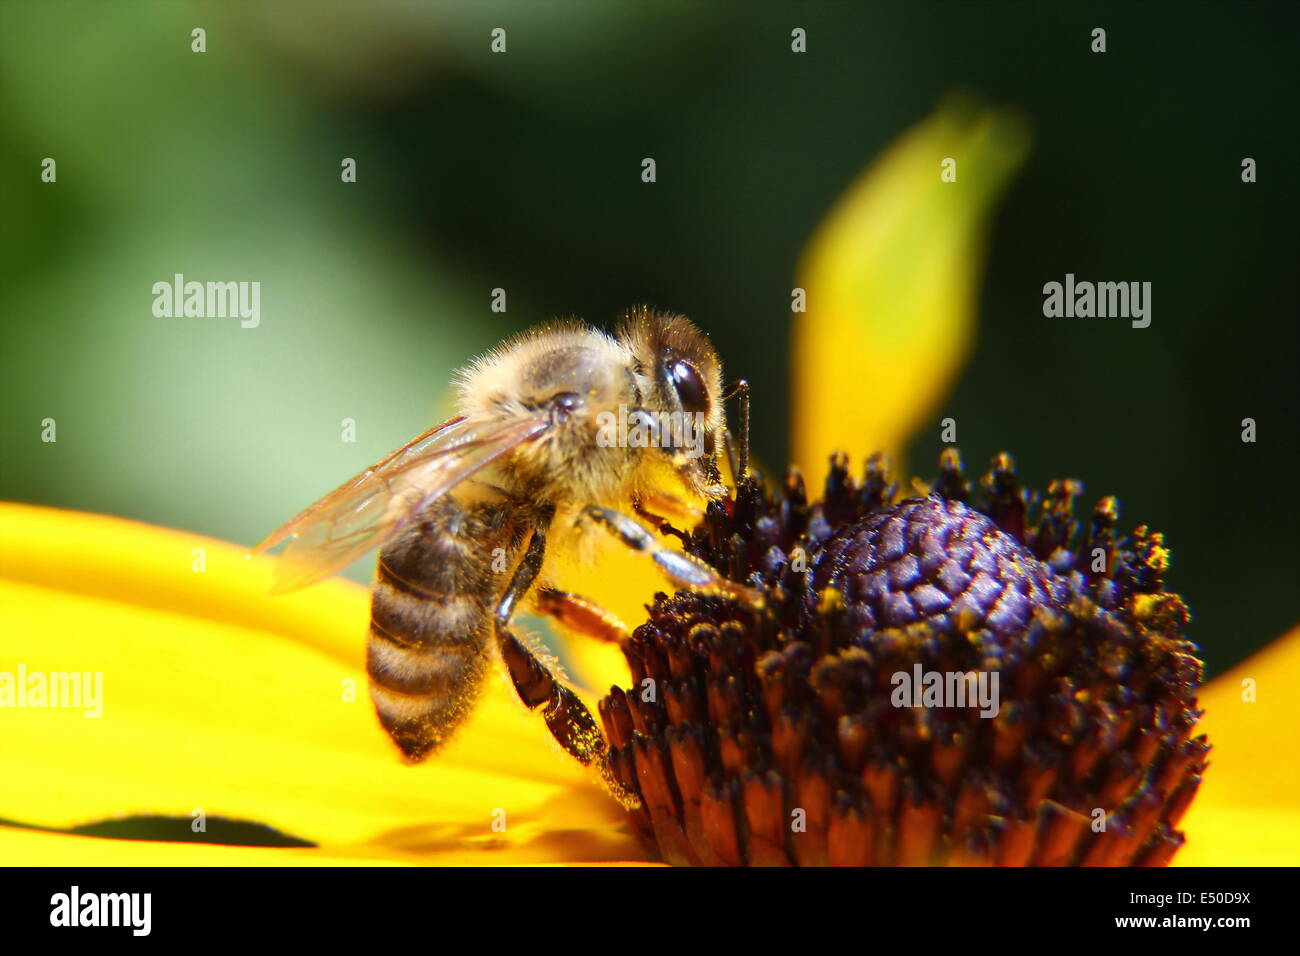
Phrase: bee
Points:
(559, 430)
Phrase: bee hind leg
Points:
(566, 716)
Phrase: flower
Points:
(222, 704)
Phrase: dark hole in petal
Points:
(220, 830)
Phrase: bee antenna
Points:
(741, 387)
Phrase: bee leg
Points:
(654, 504)
(582, 616)
(666, 504)
(684, 570)
(566, 716)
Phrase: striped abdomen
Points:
(431, 610)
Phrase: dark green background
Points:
(522, 171)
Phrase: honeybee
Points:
(559, 430)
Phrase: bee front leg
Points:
(566, 716)
(684, 570)
(667, 508)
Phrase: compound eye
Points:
(566, 403)
(689, 385)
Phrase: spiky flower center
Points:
(947, 679)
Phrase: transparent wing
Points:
(438, 436)
(377, 504)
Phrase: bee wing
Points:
(374, 506)
(411, 451)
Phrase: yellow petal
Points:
(1247, 812)
(219, 698)
(891, 279)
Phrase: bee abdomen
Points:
(419, 671)
(430, 624)
(419, 725)
(426, 664)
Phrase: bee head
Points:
(650, 394)
(681, 378)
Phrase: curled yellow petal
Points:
(891, 280)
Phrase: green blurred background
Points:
(522, 171)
